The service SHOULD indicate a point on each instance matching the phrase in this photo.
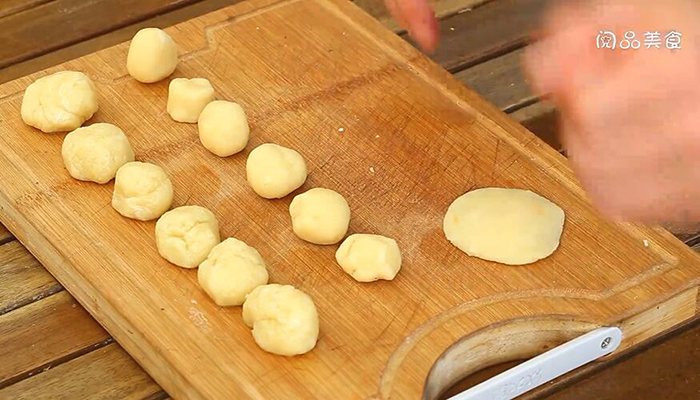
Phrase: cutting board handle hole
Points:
(495, 349)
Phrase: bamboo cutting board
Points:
(412, 140)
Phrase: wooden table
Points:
(51, 347)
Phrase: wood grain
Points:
(496, 28)
(36, 336)
(23, 33)
(500, 81)
(106, 373)
(22, 279)
(9, 7)
(348, 71)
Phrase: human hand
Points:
(630, 118)
(418, 18)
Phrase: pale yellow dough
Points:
(142, 191)
(188, 97)
(95, 153)
(152, 55)
(368, 258)
(320, 216)
(223, 128)
(284, 319)
(509, 226)
(274, 171)
(186, 235)
(59, 102)
(231, 271)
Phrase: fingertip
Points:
(427, 35)
(422, 25)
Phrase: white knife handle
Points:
(546, 366)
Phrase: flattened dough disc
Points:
(509, 226)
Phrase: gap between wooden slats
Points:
(12, 7)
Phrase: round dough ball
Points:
(284, 319)
(231, 271)
(59, 102)
(223, 128)
(509, 226)
(95, 153)
(186, 235)
(274, 171)
(188, 97)
(368, 258)
(152, 55)
(142, 191)
(320, 216)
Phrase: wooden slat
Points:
(22, 278)
(106, 373)
(59, 23)
(9, 7)
(105, 40)
(43, 334)
(494, 28)
(500, 81)
(443, 8)
(690, 238)
(541, 119)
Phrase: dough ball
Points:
(368, 258)
(320, 216)
(95, 153)
(152, 55)
(188, 97)
(59, 102)
(223, 128)
(232, 270)
(186, 235)
(142, 191)
(274, 171)
(284, 319)
(509, 226)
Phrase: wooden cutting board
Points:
(400, 138)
